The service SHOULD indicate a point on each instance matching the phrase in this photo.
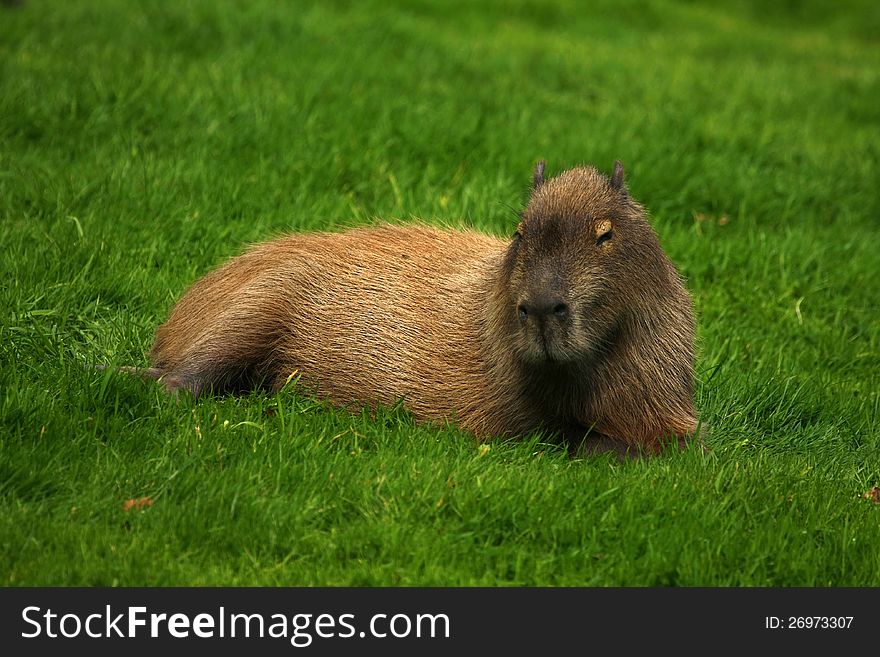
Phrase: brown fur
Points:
(578, 325)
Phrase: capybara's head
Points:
(581, 256)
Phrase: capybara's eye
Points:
(517, 235)
(604, 237)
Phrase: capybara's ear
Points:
(617, 177)
(538, 177)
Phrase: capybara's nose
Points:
(542, 308)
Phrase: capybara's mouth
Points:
(544, 351)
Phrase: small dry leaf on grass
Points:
(701, 217)
(873, 495)
(137, 503)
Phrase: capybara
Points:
(578, 326)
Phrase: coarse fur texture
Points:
(579, 326)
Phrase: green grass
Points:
(143, 143)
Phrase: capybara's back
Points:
(579, 325)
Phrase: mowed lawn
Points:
(143, 143)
